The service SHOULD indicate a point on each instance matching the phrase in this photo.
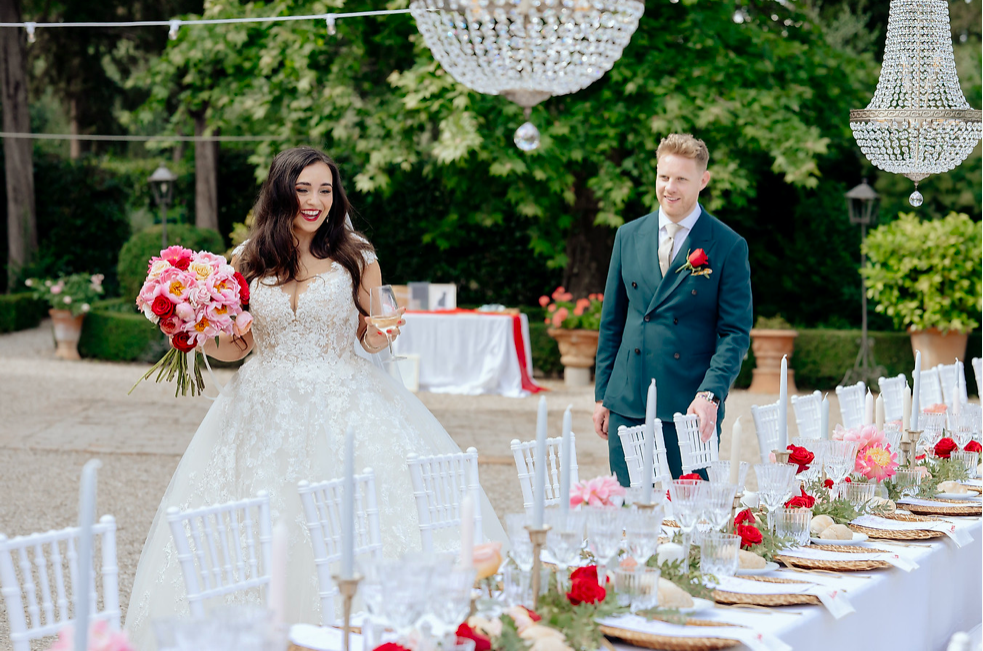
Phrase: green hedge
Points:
(113, 331)
(20, 312)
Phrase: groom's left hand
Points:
(706, 414)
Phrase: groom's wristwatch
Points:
(709, 397)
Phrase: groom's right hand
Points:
(601, 417)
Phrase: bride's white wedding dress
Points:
(282, 419)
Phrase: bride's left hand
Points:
(376, 338)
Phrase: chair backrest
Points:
(766, 425)
(852, 404)
(930, 388)
(524, 454)
(322, 512)
(694, 453)
(633, 443)
(969, 420)
(949, 380)
(892, 388)
(439, 484)
(223, 548)
(978, 372)
(42, 559)
(808, 414)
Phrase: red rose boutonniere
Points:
(697, 263)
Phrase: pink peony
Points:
(151, 289)
(176, 284)
(202, 330)
(877, 463)
(864, 437)
(215, 261)
(199, 297)
(185, 312)
(101, 638)
(223, 288)
(220, 316)
(937, 408)
(599, 491)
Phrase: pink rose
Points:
(215, 261)
(243, 324)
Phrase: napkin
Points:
(832, 597)
(975, 501)
(959, 535)
(319, 638)
(822, 555)
(755, 640)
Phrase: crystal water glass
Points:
(719, 473)
(687, 497)
(858, 494)
(449, 599)
(565, 539)
(521, 544)
(719, 505)
(893, 433)
(642, 529)
(907, 481)
(794, 524)
(968, 460)
(932, 426)
(839, 458)
(816, 447)
(403, 584)
(637, 589)
(605, 530)
(774, 485)
(516, 586)
(719, 554)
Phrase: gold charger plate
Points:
(736, 598)
(670, 643)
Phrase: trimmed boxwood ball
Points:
(136, 253)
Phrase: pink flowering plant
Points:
(192, 297)
(102, 637)
(875, 460)
(563, 312)
(600, 491)
(74, 293)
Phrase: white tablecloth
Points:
(895, 610)
(469, 353)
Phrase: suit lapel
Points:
(699, 237)
(647, 257)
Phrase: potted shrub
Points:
(70, 298)
(771, 339)
(575, 326)
(925, 275)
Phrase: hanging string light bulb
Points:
(174, 26)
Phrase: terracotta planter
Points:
(68, 328)
(938, 348)
(769, 346)
(578, 348)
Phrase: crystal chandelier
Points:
(919, 122)
(526, 50)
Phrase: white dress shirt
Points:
(686, 225)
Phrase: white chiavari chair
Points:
(852, 404)
(766, 425)
(930, 388)
(633, 443)
(694, 452)
(439, 484)
(524, 454)
(35, 566)
(892, 388)
(223, 548)
(978, 372)
(808, 413)
(952, 388)
(322, 511)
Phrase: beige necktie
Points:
(665, 250)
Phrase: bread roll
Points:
(952, 487)
(819, 524)
(672, 596)
(837, 532)
(750, 561)
(882, 502)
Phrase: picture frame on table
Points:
(442, 296)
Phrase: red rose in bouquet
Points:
(183, 342)
(481, 642)
(162, 307)
(750, 536)
(973, 446)
(803, 501)
(243, 289)
(584, 588)
(945, 447)
(800, 457)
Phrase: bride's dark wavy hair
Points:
(272, 246)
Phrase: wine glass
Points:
(687, 496)
(642, 529)
(774, 484)
(719, 473)
(604, 533)
(564, 540)
(384, 312)
(515, 524)
(450, 599)
(838, 459)
(719, 504)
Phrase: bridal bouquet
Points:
(192, 297)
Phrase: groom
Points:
(677, 308)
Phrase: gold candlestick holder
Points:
(781, 456)
(348, 589)
(738, 506)
(912, 437)
(645, 507)
(538, 539)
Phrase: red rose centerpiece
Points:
(801, 457)
(802, 501)
(945, 448)
(584, 588)
(973, 446)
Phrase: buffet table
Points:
(470, 353)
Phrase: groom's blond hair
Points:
(685, 145)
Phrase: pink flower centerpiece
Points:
(875, 460)
(101, 638)
(600, 491)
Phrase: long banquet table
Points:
(468, 352)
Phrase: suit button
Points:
(676, 355)
(647, 319)
(638, 351)
(675, 321)
(634, 285)
(694, 292)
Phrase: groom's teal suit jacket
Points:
(688, 332)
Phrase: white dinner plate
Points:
(770, 567)
(857, 538)
(958, 496)
(699, 605)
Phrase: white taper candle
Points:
(879, 413)
(566, 459)
(539, 488)
(348, 508)
(467, 532)
(648, 444)
(783, 406)
(824, 418)
(869, 408)
(957, 402)
(87, 516)
(916, 391)
(735, 451)
(906, 408)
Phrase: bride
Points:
(283, 417)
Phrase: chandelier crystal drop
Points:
(526, 50)
(918, 122)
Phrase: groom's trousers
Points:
(616, 454)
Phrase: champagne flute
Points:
(384, 313)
